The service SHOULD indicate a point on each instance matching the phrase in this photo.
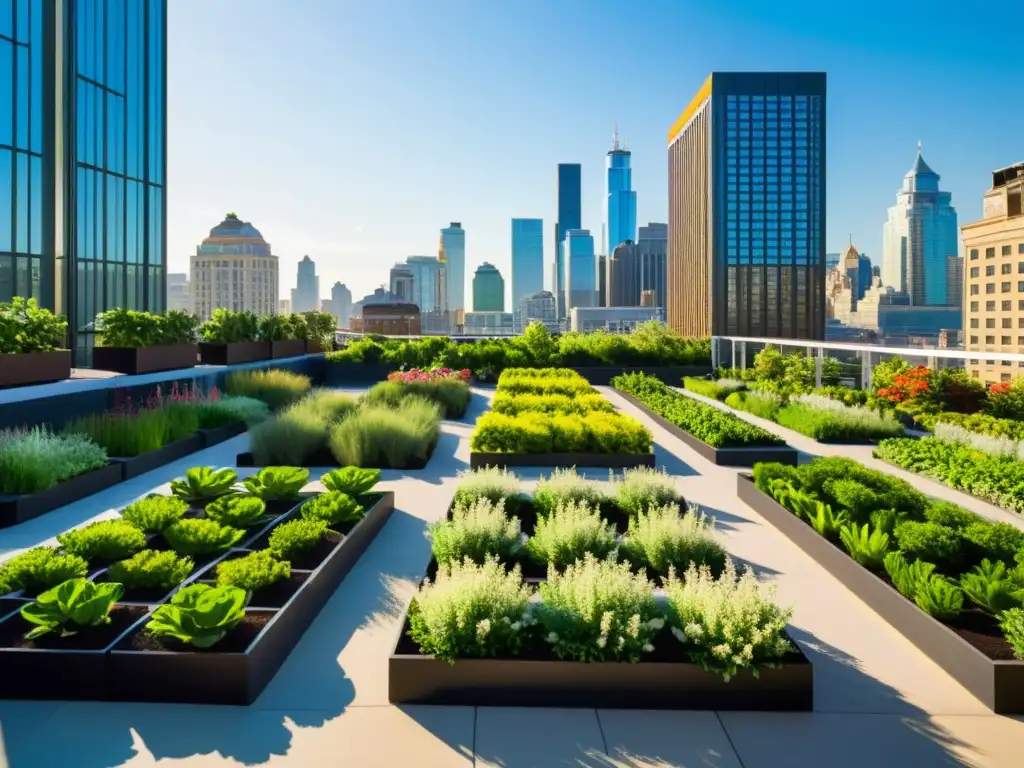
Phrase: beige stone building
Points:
(234, 268)
(994, 278)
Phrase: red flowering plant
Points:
(908, 386)
(422, 374)
(1006, 400)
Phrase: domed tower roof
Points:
(234, 228)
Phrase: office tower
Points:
(527, 258)
(831, 261)
(539, 307)
(919, 236)
(235, 269)
(341, 298)
(82, 158)
(746, 253)
(306, 295)
(652, 253)
(623, 276)
(955, 280)
(430, 293)
(488, 289)
(452, 251)
(580, 274)
(994, 293)
(620, 199)
(569, 215)
(402, 283)
(179, 295)
(284, 306)
(602, 279)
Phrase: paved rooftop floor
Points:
(879, 702)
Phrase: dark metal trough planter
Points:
(610, 460)
(18, 509)
(314, 347)
(325, 458)
(998, 684)
(209, 677)
(138, 465)
(132, 361)
(234, 353)
(341, 374)
(220, 434)
(287, 348)
(741, 456)
(34, 368)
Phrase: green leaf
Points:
(351, 480)
(201, 483)
(277, 483)
(79, 602)
(200, 615)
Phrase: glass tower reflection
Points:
(620, 199)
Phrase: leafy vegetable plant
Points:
(201, 537)
(296, 537)
(150, 569)
(154, 513)
(199, 614)
(351, 480)
(237, 511)
(277, 483)
(253, 572)
(907, 577)
(71, 606)
(332, 507)
(104, 540)
(40, 568)
(204, 483)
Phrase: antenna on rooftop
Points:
(615, 137)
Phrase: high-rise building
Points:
(652, 251)
(488, 289)
(539, 307)
(527, 258)
(341, 299)
(602, 279)
(430, 293)
(179, 295)
(955, 280)
(919, 236)
(620, 199)
(306, 295)
(402, 283)
(569, 215)
(831, 261)
(452, 251)
(746, 253)
(623, 276)
(580, 272)
(235, 269)
(994, 294)
(82, 158)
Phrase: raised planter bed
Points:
(287, 348)
(138, 465)
(326, 459)
(233, 353)
(998, 684)
(131, 361)
(18, 509)
(341, 374)
(239, 676)
(220, 434)
(739, 456)
(602, 375)
(314, 347)
(35, 368)
(610, 460)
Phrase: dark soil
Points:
(277, 594)
(236, 641)
(13, 630)
(9, 606)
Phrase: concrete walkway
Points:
(879, 702)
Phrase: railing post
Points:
(819, 357)
(865, 369)
(743, 356)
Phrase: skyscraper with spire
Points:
(620, 199)
(569, 215)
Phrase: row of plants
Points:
(650, 344)
(27, 328)
(228, 327)
(447, 388)
(956, 566)
(819, 416)
(707, 423)
(596, 602)
(552, 410)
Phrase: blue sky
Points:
(354, 131)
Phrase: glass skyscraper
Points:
(527, 258)
(82, 157)
(452, 251)
(746, 253)
(620, 199)
(488, 289)
(570, 216)
(580, 272)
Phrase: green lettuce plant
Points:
(201, 537)
(296, 537)
(104, 540)
(475, 530)
(40, 568)
(332, 507)
(72, 606)
(277, 483)
(200, 615)
(204, 483)
(154, 513)
(237, 511)
(150, 569)
(570, 531)
(253, 572)
(351, 480)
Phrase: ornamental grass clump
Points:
(40, 568)
(492, 483)
(150, 569)
(661, 539)
(105, 540)
(452, 394)
(644, 487)
(831, 421)
(727, 624)
(389, 437)
(475, 530)
(572, 530)
(277, 388)
(231, 410)
(598, 610)
(292, 437)
(568, 485)
(154, 513)
(36, 459)
(471, 611)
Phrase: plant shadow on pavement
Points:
(310, 689)
(667, 460)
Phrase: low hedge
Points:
(716, 389)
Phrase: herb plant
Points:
(237, 511)
(40, 568)
(150, 569)
(296, 537)
(204, 483)
(201, 537)
(255, 571)
(332, 507)
(471, 611)
(930, 542)
(1012, 624)
(476, 529)
(660, 538)
(71, 606)
(492, 483)
(154, 513)
(200, 615)
(565, 486)
(572, 530)
(104, 540)
(227, 327)
(36, 459)
(644, 487)
(27, 328)
(277, 483)
(351, 480)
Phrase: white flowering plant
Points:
(567, 485)
(568, 533)
(662, 538)
(474, 530)
(729, 623)
(644, 487)
(492, 483)
(471, 610)
(598, 610)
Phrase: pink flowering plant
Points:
(429, 374)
